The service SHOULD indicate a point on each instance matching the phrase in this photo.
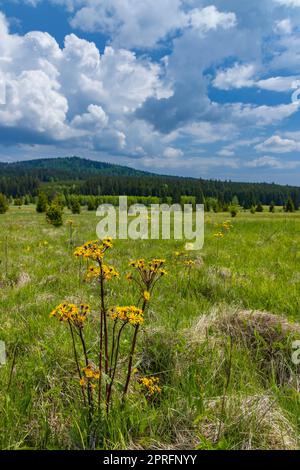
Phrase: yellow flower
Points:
(72, 313)
(163, 272)
(91, 372)
(149, 271)
(219, 235)
(94, 249)
(129, 277)
(150, 385)
(189, 263)
(109, 272)
(82, 382)
(131, 314)
(146, 295)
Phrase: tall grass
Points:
(216, 392)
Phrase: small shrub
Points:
(42, 203)
(3, 204)
(54, 215)
(289, 207)
(75, 205)
(18, 202)
(272, 208)
(259, 207)
(233, 211)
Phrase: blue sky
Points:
(189, 87)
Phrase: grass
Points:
(220, 389)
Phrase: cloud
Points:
(279, 84)
(263, 115)
(284, 26)
(244, 76)
(151, 96)
(72, 93)
(198, 165)
(239, 76)
(210, 18)
(277, 144)
(225, 152)
(171, 152)
(273, 163)
(142, 24)
(289, 3)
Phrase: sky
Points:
(196, 88)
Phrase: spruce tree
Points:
(3, 204)
(42, 203)
(289, 207)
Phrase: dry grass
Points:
(257, 420)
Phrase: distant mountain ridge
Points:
(66, 168)
(75, 175)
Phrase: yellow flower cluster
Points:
(224, 227)
(150, 384)
(227, 225)
(152, 265)
(146, 295)
(189, 263)
(108, 272)
(72, 313)
(131, 314)
(177, 254)
(93, 249)
(148, 270)
(219, 235)
(90, 374)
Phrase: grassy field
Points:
(224, 363)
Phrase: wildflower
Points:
(72, 313)
(94, 249)
(189, 263)
(108, 272)
(219, 235)
(82, 382)
(131, 314)
(163, 272)
(129, 277)
(149, 271)
(227, 225)
(90, 372)
(146, 295)
(150, 385)
(92, 272)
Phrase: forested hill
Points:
(65, 169)
(87, 177)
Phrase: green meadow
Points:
(218, 334)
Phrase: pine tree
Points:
(289, 207)
(259, 207)
(3, 204)
(42, 203)
(75, 205)
(54, 215)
